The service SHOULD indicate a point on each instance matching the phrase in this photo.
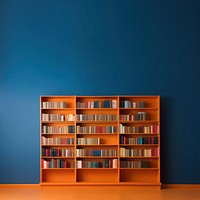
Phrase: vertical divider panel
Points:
(75, 138)
(118, 135)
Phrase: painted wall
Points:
(100, 47)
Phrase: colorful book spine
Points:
(147, 129)
(140, 116)
(46, 152)
(57, 163)
(96, 129)
(88, 141)
(138, 140)
(97, 104)
(150, 152)
(132, 104)
(134, 164)
(96, 117)
(104, 163)
(56, 141)
(49, 105)
(97, 152)
(57, 117)
(58, 129)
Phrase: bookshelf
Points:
(100, 140)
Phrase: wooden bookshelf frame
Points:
(100, 140)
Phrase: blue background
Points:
(99, 47)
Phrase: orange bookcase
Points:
(100, 140)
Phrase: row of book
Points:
(124, 152)
(97, 117)
(138, 140)
(57, 117)
(58, 129)
(57, 152)
(134, 164)
(97, 104)
(54, 129)
(49, 104)
(96, 152)
(140, 116)
(132, 104)
(88, 141)
(147, 129)
(57, 163)
(56, 141)
(96, 129)
(105, 163)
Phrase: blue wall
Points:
(99, 47)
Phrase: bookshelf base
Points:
(107, 184)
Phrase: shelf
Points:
(58, 122)
(140, 157)
(140, 183)
(97, 145)
(97, 109)
(143, 134)
(139, 122)
(57, 183)
(96, 157)
(138, 145)
(97, 133)
(138, 108)
(63, 134)
(52, 169)
(56, 157)
(139, 169)
(97, 168)
(96, 122)
(57, 108)
(57, 145)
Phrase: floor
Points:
(94, 193)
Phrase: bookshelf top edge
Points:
(98, 96)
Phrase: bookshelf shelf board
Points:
(100, 168)
(58, 122)
(141, 134)
(140, 157)
(139, 108)
(96, 133)
(97, 109)
(96, 122)
(138, 145)
(110, 122)
(152, 183)
(57, 145)
(97, 145)
(92, 183)
(139, 168)
(58, 109)
(139, 122)
(58, 157)
(58, 183)
(95, 157)
(60, 169)
(63, 134)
